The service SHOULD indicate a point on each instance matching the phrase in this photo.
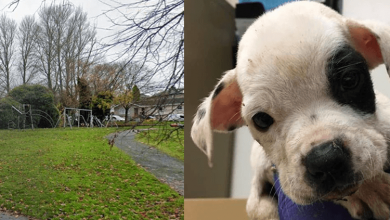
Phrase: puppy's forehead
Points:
(288, 46)
(294, 33)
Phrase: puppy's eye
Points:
(262, 121)
(349, 80)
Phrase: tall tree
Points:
(27, 44)
(7, 49)
(78, 50)
(46, 45)
(62, 13)
(66, 48)
(84, 92)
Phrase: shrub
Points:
(6, 114)
(41, 100)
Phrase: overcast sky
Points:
(94, 8)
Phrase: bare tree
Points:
(78, 50)
(46, 45)
(135, 74)
(103, 77)
(62, 13)
(153, 35)
(66, 48)
(7, 49)
(27, 44)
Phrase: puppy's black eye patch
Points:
(262, 121)
(349, 80)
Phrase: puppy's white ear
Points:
(221, 112)
(372, 40)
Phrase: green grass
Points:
(73, 174)
(166, 139)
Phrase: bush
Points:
(41, 100)
(6, 114)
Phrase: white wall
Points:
(359, 9)
(232, 2)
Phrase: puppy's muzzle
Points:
(329, 167)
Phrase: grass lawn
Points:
(165, 138)
(73, 174)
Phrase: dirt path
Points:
(167, 169)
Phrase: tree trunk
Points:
(126, 114)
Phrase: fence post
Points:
(64, 117)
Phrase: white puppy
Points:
(303, 88)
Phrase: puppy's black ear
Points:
(372, 40)
(221, 112)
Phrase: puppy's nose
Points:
(328, 166)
